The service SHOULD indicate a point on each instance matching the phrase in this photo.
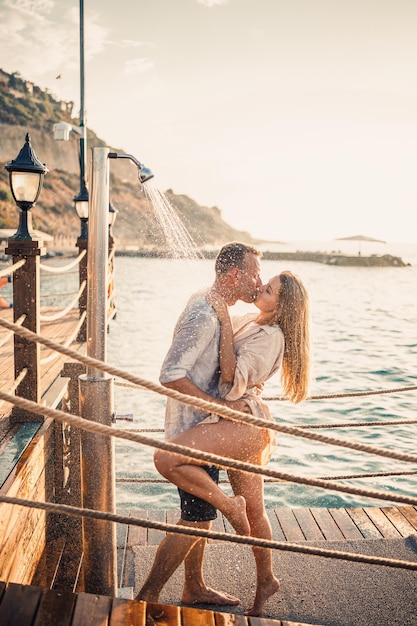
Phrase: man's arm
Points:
(186, 386)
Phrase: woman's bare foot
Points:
(207, 595)
(263, 592)
(236, 514)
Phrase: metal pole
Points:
(96, 397)
(97, 264)
(83, 139)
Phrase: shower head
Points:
(145, 174)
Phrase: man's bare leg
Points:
(195, 589)
(171, 552)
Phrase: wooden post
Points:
(26, 301)
(67, 477)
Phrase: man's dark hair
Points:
(232, 255)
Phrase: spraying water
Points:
(179, 241)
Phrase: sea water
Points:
(364, 331)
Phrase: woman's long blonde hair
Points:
(293, 317)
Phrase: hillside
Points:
(25, 107)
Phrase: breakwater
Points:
(327, 258)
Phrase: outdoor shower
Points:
(144, 173)
(96, 387)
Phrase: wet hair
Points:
(293, 317)
(233, 255)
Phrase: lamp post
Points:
(26, 174)
(83, 195)
(81, 200)
(62, 132)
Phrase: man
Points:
(192, 367)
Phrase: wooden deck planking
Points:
(327, 525)
(396, 517)
(275, 525)
(309, 527)
(289, 525)
(301, 524)
(410, 514)
(26, 604)
(364, 524)
(382, 523)
(345, 523)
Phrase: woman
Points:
(277, 338)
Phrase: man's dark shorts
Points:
(194, 509)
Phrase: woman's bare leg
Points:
(250, 486)
(225, 438)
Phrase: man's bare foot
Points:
(207, 595)
(236, 514)
(263, 592)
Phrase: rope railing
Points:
(218, 460)
(68, 341)
(57, 295)
(10, 269)
(211, 407)
(16, 383)
(73, 511)
(352, 394)
(223, 462)
(360, 424)
(53, 269)
(10, 334)
(406, 422)
(150, 480)
(60, 314)
(331, 396)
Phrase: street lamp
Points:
(62, 132)
(26, 175)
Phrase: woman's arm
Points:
(227, 351)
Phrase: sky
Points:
(296, 118)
